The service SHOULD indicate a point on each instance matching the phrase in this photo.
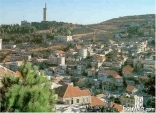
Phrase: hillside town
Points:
(89, 74)
(55, 66)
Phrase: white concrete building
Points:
(63, 38)
(141, 47)
(83, 52)
(59, 60)
(0, 44)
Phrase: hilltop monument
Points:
(44, 13)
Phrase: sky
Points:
(73, 11)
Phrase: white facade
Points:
(83, 53)
(0, 44)
(61, 60)
(63, 38)
(142, 47)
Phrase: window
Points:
(77, 100)
(72, 101)
(83, 99)
(87, 99)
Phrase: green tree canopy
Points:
(32, 93)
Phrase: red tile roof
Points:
(68, 91)
(100, 57)
(96, 102)
(5, 71)
(60, 52)
(117, 76)
(127, 69)
(130, 88)
(117, 106)
(79, 47)
(144, 77)
(109, 72)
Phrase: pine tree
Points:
(30, 94)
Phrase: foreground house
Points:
(117, 106)
(5, 71)
(73, 95)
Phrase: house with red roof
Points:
(117, 106)
(110, 79)
(131, 89)
(97, 102)
(5, 71)
(127, 71)
(73, 95)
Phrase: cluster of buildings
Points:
(113, 69)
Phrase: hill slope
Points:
(116, 23)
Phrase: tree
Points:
(151, 85)
(31, 93)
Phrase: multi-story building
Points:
(80, 69)
(83, 52)
(63, 38)
(131, 100)
(58, 60)
(149, 64)
(141, 47)
(110, 80)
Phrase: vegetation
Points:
(101, 109)
(98, 91)
(67, 47)
(16, 29)
(19, 34)
(84, 74)
(132, 30)
(151, 103)
(150, 85)
(31, 93)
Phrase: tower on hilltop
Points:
(44, 13)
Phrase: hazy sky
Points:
(74, 11)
